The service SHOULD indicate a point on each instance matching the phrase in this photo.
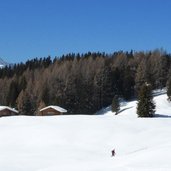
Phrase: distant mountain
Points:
(3, 63)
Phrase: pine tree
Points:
(128, 84)
(141, 75)
(26, 104)
(169, 89)
(115, 105)
(12, 94)
(45, 95)
(145, 106)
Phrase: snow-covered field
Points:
(84, 143)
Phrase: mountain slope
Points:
(84, 143)
(3, 63)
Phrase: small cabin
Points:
(7, 111)
(52, 110)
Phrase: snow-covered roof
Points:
(9, 108)
(57, 108)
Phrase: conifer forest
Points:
(82, 83)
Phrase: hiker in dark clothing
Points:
(113, 152)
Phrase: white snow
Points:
(84, 143)
(57, 108)
(1, 66)
(9, 108)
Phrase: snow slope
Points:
(84, 143)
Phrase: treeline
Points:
(81, 83)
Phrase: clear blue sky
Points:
(38, 28)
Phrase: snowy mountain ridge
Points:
(3, 63)
(84, 142)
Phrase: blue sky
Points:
(38, 28)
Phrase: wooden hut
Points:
(52, 110)
(7, 111)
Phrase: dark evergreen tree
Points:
(71, 100)
(26, 104)
(116, 81)
(22, 84)
(169, 89)
(141, 75)
(128, 84)
(99, 81)
(145, 106)
(108, 89)
(115, 105)
(12, 94)
(45, 95)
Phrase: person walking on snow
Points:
(113, 153)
